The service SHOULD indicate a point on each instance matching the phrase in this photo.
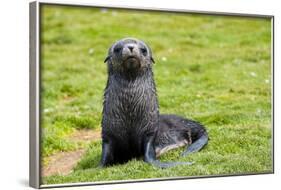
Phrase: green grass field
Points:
(213, 69)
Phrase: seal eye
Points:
(144, 51)
(117, 49)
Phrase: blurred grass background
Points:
(214, 69)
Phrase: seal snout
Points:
(131, 48)
(130, 55)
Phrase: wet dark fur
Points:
(126, 119)
(131, 124)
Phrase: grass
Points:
(213, 69)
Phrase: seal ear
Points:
(151, 58)
(107, 58)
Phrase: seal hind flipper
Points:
(175, 131)
(197, 145)
(150, 157)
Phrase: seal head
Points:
(129, 55)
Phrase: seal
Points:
(131, 124)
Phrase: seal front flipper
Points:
(107, 154)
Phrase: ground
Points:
(63, 162)
(213, 69)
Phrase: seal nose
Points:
(130, 47)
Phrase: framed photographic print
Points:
(128, 94)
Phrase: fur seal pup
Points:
(131, 124)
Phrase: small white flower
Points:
(164, 58)
(266, 81)
(47, 110)
(91, 51)
(253, 74)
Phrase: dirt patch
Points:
(62, 163)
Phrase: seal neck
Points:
(142, 76)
